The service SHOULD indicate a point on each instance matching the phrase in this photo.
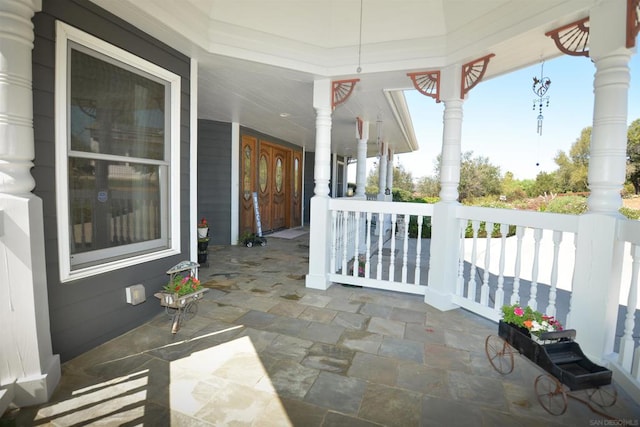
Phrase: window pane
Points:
(115, 111)
(112, 204)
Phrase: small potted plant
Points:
(203, 228)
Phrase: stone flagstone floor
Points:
(263, 350)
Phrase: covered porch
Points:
(448, 308)
(265, 350)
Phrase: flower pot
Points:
(203, 232)
(203, 250)
(176, 301)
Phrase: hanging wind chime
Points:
(540, 87)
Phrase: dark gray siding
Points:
(88, 312)
(214, 179)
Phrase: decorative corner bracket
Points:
(472, 73)
(427, 83)
(633, 22)
(573, 38)
(341, 90)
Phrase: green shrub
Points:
(482, 232)
(487, 202)
(630, 213)
(574, 205)
(413, 227)
(399, 195)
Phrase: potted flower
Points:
(180, 290)
(362, 260)
(182, 285)
(529, 321)
(203, 228)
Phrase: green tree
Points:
(545, 184)
(511, 188)
(633, 155)
(573, 169)
(428, 186)
(478, 177)
(402, 179)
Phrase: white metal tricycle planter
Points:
(181, 308)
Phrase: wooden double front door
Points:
(273, 172)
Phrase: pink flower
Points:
(518, 311)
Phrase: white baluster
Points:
(460, 284)
(334, 235)
(471, 292)
(627, 344)
(537, 236)
(345, 242)
(551, 308)
(515, 295)
(367, 264)
(418, 250)
(573, 274)
(504, 229)
(484, 290)
(380, 243)
(405, 248)
(392, 257)
(356, 243)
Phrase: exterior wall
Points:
(87, 312)
(214, 178)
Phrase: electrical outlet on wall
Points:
(135, 294)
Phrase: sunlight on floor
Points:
(123, 397)
(226, 385)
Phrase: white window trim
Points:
(64, 34)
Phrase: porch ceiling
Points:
(259, 58)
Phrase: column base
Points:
(37, 389)
(438, 300)
(317, 282)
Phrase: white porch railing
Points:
(529, 263)
(362, 255)
(625, 360)
(532, 261)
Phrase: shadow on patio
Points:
(264, 350)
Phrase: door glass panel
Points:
(246, 181)
(295, 177)
(263, 173)
(279, 175)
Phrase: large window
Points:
(117, 156)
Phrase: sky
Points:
(499, 121)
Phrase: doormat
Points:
(290, 233)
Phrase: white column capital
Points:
(450, 78)
(607, 28)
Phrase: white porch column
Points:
(29, 371)
(596, 284)
(390, 153)
(362, 135)
(382, 171)
(320, 224)
(445, 246)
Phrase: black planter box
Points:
(564, 359)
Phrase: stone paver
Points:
(264, 350)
